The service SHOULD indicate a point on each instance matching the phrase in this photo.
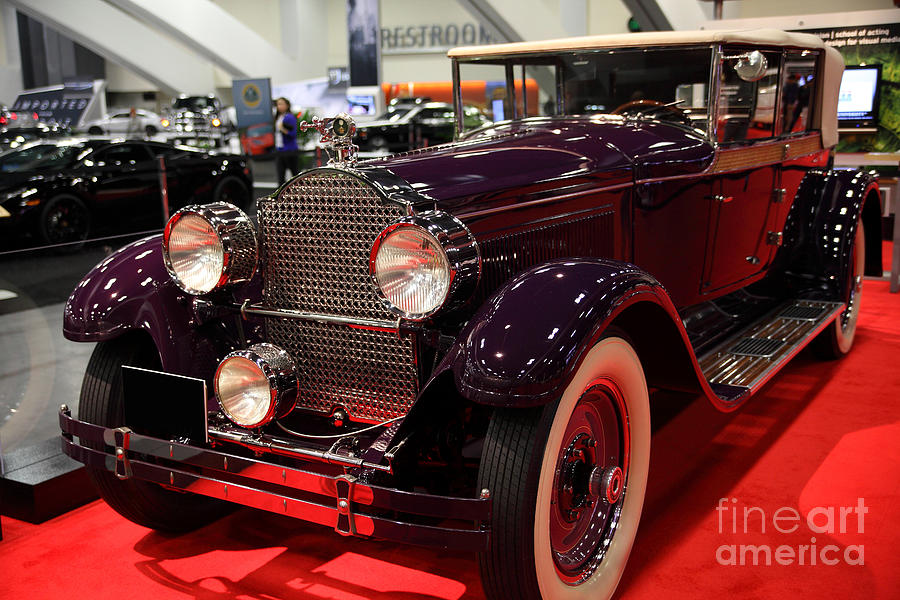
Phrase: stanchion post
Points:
(163, 190)
(895, 259)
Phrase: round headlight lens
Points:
(411, 271)
(243, 391)
(207, 247)
(257, 385)
(195, 253)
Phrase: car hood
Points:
(548, 152)
(18, 179)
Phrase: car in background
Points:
(258, 139)
(407, 126)
(20, 127)
(191, 118)
(62, 192)
(120, 121)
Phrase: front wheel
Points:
(102, 403)
(567, 482)
(64, 222)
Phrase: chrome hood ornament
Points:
(337, 133)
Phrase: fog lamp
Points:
(256, 385)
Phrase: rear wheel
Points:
(95, 130)
(567, 482)
(232, 190)
(837, 340)
(101, 403)
(150, 130)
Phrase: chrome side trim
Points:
(539, 201)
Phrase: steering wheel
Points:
(652, 106)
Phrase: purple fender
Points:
(131, 291)
(524, 345)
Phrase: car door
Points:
(126, 192)
(118, 122)
(745, 170)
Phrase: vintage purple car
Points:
(454, 346)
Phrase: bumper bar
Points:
(342, 502)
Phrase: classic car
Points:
(193, 117)
(62, 191)
(120, 121)
(454, 346)
(407, 127)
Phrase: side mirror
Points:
(751, 66)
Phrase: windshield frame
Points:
(514, 60)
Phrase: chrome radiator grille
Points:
(317, 236)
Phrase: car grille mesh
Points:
(317, 235)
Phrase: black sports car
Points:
(414, 126)
(62, 191)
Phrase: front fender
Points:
(525, 343)
(131, 290)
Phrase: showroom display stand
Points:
(40, 482)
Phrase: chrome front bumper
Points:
(342, 502)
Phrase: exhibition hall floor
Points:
(821, 441)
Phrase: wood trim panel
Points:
(757, 155)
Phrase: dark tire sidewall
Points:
(47, 212)
(221, 189)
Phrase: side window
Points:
(747, 109)
(798, 91)
(123, 154)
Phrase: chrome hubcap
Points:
(590, 482)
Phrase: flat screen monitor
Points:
(858, 99)
(361, 104)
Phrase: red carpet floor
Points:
(819, 441)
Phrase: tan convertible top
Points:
(825, 117)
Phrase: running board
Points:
(744, 363)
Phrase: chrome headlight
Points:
(424, 263)
(256, 385)
(207, 247)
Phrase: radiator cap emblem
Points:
(337, 137)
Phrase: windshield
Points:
(669, 84)
(42, 156)
(194, 103)
(394, 114)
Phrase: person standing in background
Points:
(285, 139)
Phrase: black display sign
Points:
(62, 105)
(362, 34)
